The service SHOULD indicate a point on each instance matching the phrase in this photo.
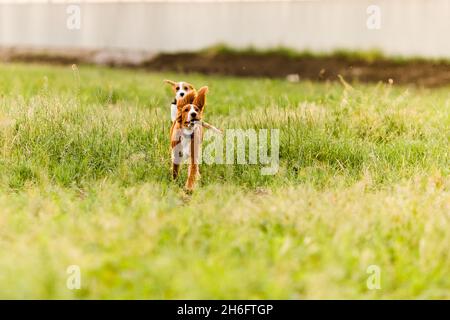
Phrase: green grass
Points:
(368, 56)
(85, 180)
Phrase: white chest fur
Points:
(182, 151)
(173, 111)
(186, 142)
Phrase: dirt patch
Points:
(64, 56)
(419, 72)
(316, 68)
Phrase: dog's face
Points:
(189, 114)
(181, 89)
(190, 108)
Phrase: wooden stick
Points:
(209, 126)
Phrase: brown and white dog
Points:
(180, 89)
(186, 134)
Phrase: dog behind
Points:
(181, 89)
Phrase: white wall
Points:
(408, 27)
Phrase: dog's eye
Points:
(185, 88)
(177, 88)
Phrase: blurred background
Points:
(294, 39)
(406, 27)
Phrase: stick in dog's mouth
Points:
(206, 125)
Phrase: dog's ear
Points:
(179, 116)
(172, 83)
(200, 99)
(187, 99)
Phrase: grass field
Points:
(85, 180)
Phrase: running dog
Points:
(186, 135)
(181, 90)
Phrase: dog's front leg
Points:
(192, 177)
(175, 170)
(177, 153)
(195, 159)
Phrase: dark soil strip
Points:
(419, 72)
(317, 68)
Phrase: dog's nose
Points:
(181, 93)
(193, 114)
